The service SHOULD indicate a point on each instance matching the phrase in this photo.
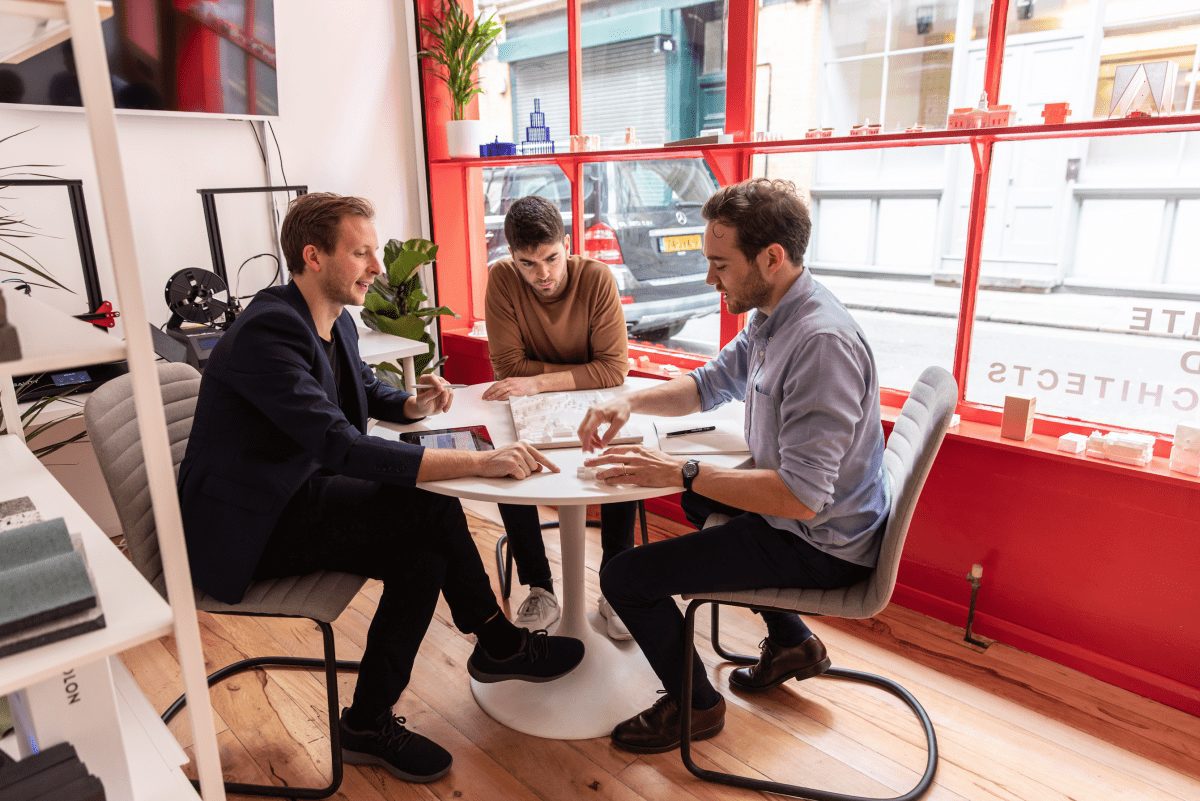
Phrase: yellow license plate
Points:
(675, 244)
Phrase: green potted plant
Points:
(15, 230)
(393, 304)
(454, 44)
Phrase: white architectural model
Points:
(551, 420)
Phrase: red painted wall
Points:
(1086, 566)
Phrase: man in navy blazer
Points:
(280, 478)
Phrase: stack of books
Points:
(56, 774)
(46, 593)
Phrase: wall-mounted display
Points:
(202, 56)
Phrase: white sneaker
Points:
(538, 610)
(616, 629)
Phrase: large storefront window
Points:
(653, 72)
(528, 63)
(879, 224)
(885, 61)
(642, 219)
(1115, 337)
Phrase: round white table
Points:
(614, 681)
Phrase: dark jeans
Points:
(415, 541)
(744, 554)
(524, 531)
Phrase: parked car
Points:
(641, 218)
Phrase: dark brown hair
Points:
(313, 219)
(763, 212)
(532, 221)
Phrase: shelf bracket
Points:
(725, 164)
(981, 152)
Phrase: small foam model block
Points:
(498, 148)
(1185, 461)
(1017, 420)
(1072, 443)
(1056, 113)
(1128, 448)
(1187, 436)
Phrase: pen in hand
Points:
(699, 430)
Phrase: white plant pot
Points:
(463, 137)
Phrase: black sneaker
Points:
(540, 658)
(403, 753)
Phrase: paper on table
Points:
(726, 437)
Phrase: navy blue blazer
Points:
(267, 419)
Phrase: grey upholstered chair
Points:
(320, 597)
(911, 448)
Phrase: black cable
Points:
(237, 277)
(278, 153)
(262, 152)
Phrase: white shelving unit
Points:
(134, 612)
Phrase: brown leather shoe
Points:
(776, 665)
(657, 729)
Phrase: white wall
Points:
(346, 125)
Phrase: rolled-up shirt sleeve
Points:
(820, 409)
(724, 378)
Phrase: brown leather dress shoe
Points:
(657, 729)
(776, 665)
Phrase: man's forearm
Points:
(557, 381)
(443, 463)
(673, 398)
(759, 491)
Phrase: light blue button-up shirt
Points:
(808, 378)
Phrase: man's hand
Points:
(516, 460)
(615, 414)
(514, 386)
(639, 465)
(433, 395)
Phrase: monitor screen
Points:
(200, 56)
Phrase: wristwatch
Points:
(691, 469)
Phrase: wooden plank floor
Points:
(1010, 725)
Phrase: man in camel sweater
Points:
(554, 324)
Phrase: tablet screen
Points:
(466, 438)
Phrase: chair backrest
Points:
(915, 440)
(112, 427)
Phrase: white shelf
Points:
(153, 753)
(54, 340)
(133, 611)
(378, 346)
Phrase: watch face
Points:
(690, 468)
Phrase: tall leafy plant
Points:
(455, 43)
(34, 429)
(394, 304)
(15, 230)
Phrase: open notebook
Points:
(726, 437)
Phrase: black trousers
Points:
(744, 554)
(524, 531)
(415, 541)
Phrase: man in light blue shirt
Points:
(808, 513)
